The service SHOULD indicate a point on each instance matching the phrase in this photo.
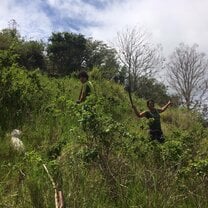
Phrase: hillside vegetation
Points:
(98, 152)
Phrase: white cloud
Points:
(32, 22)
(169, 21)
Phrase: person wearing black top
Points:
(153, 114)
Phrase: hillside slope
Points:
(98, 152)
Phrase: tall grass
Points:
(99, 152)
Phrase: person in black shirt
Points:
(153, 114)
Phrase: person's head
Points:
(83, 76)
(150, 104)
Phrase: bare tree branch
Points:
(187, 70)
(136, 53)
(58, 195)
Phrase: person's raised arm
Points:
(139, 114)
(165, 107)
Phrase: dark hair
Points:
(83, 74)
(150, 101)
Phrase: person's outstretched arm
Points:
(139, 114)
(165, 107)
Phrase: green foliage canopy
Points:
(66, 52)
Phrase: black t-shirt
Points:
(154, 123)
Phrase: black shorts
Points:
(157, 135)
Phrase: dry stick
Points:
(130, 97)
(54, 187)
(129, 88)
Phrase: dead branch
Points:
(58, 194)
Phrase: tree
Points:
(8, 38)
(100, 55)
(136, 53)
(31, 55)
(150, 88)
(66, 52)
(16, 50)
(9, 41)
(188, 75)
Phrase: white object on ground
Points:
(16, 143)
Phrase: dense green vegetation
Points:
(98, 152)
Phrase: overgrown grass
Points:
(98, 152)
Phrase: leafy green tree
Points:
(8, 58)
(22, 92)
(100, 55)
(14, 49)
(150, 88)
(66, 52)
(9, 39)
(31, 55)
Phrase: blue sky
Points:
(169, 21)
